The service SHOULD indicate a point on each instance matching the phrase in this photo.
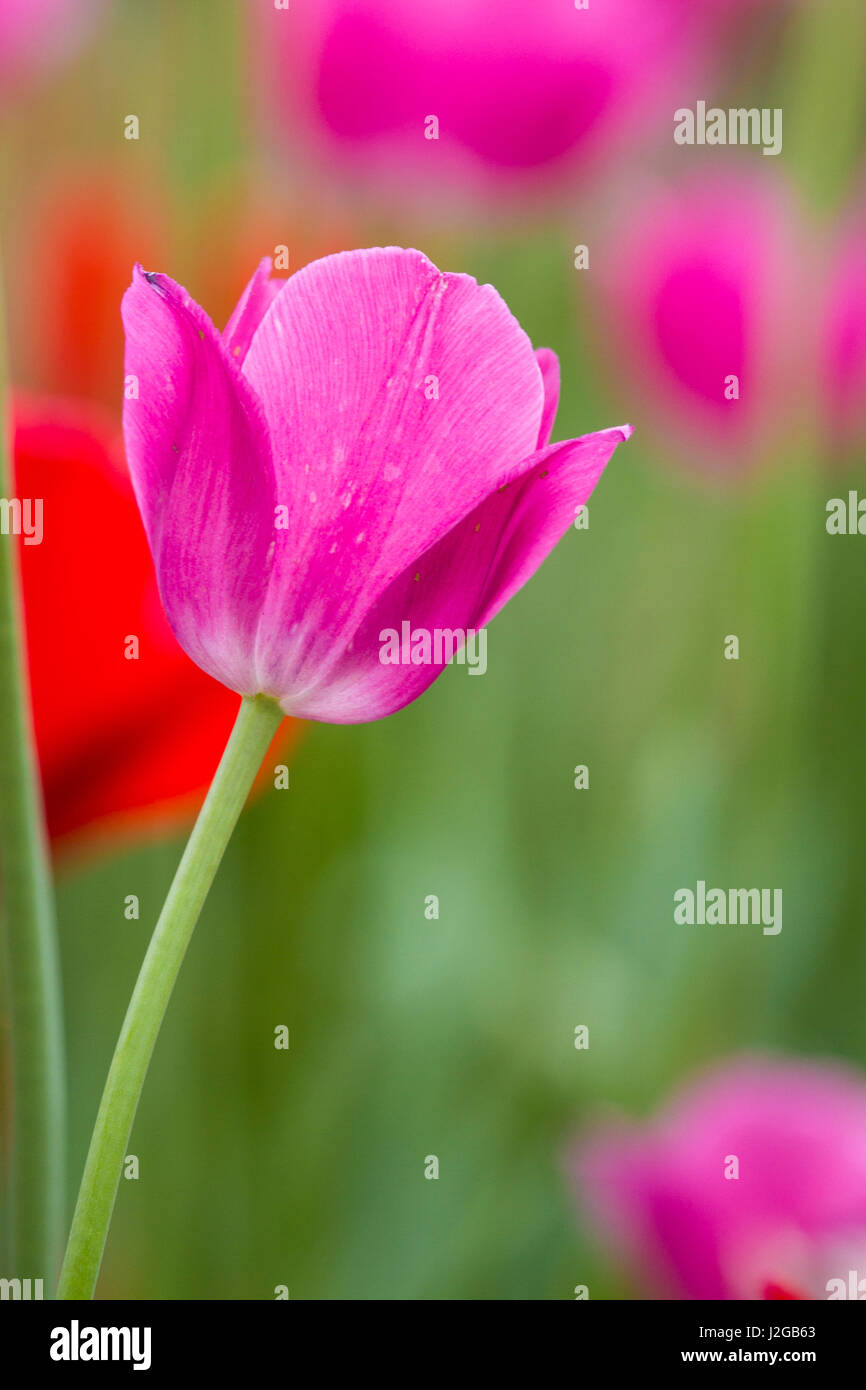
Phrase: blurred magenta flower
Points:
(519, 90)
(366, 444)
(34, 37)
(700, 294)
(843, 342)
(790, 1223)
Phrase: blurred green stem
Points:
(825, 97)
(256, 724)
(33, 970)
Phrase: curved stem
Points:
(256, 724)
(33, 969)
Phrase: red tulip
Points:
(123, 739)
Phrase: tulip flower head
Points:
(367, 443)
(751, 1185)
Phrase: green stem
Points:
(256, 724)
(33, 970)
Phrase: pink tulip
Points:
(843, 342)
(366, 444)
(519, 88)
(790, 1224)
(705, 307)
(36, 36)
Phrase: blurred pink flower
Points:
(792, 1221)
(520, 90)
(843, 341)
(704, 307)
(37, 36)
(366, 446)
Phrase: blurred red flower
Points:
(67, 326)
(67, 311)
(123, 742)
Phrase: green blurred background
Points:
(455, 1037)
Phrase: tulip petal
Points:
(200, 465)
(548, 365)
(397, 398)
(250, 309)
(462, 580)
